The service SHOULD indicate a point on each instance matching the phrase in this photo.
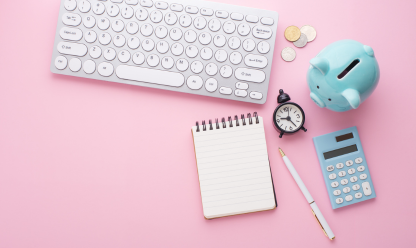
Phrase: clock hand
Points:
(293, 123)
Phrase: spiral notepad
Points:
(233, 166)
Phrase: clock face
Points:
(289, 117)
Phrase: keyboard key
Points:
(185, 20)
(182, 64)
(256, 95)
(132, 27)
(211, 85)
(153, 76)
(332, 176)
(349, 163)
(339, 165)
(206, 53)
(61, 62)
(337, 192)
(211, 69)
(74, 49)
(113, 10)
(117, 25)
(226, 71)
(156, 16)
(109, 54)
(353, 179)
(98, 8)
(226, 91)
(133, 42)
(176, 7)
(358, 195)
(146, 30)
(351, 171)
(207, 12)
(360, 168)
(89, 66)
(262, 32)
(267, 21)
(127, 12)
(229, 27)
(161, 32)
(103, 23)
(334, 184)
(191, 51)
(221, 14)
(162, 47)
(344, 181)
(197, 67)
(250, 75)
(346, 190)
(153, 60)
(124, 56)
(73, 34)
(190, 36)
(205, 38)
(89, 21)
(243, 29)
(95, 52)
(221, 55)
(141, 14)
(349, 198)
(200, 23)
(90, 37)
(75, 64)
(241, 86)
(342, 173)
(236, 58)
(70, 4)
(194, 82)
(161, 5)
(237, 16)
(339, 200)
(358, 160)
(263, 47)
(104, 38)
(252, 18)
(84, 6)
(148, 45)
(214, 25)
(240, 93)
(177, 49)
(219, 40)
(234, 42)
(132, 2)
(363, 176)
(258, 61)
(71, 19)
(249, 45)
(146, 3)
(175, 34)
(191, 9)
(167, 62)
(356, 187)
(138, 58)
(328, 168)
(117, 1)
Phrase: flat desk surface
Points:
(87, 163)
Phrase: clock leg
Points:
(281, 134)
(304, 129)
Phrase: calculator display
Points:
(344, 137)
(341, 151)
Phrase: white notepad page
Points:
(233, 169)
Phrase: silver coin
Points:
(288, 54)
(309, 31)
(303, 40)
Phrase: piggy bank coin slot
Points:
(348, 69)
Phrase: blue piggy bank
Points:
(343, 75)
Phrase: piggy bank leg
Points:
(317, 100)
(353, 97)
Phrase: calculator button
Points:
(356, 187)
(349, 198)
(337, 192)
(340, 165)
(349, 163)
(360, 168)
(332, 176)
(358, 160)
(366, 188)
(353, 179)
(344, 181)
(342, 173)
(334, 184)
(363, 176)
(358, 195)
(351, 171)
(339, 200)
(330, 168)
(346, 190)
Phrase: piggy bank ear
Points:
(317, 100)
(353, 97)
(369, 50)
(321, 64)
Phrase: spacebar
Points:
(150, 75)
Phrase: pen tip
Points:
(281, 152)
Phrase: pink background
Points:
(87, 163)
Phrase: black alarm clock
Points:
(288, 118)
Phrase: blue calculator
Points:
(344, 167)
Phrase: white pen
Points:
(315, 210)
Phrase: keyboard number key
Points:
(363, 176)
(342, 173)
(344, 181)
(358, 195)
(346, 190)
(356, 187)
(334, 184)
(360, 168)
(339, 165)
(358, 160)
(349, 198)
(339, 200)
(351, 171)
(337, 192)
(353, 179)
(349, 163)
(332, 176)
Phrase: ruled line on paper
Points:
(203, 191)
(237, 197)
(236, 192)
(234, 147)
(234, 176)
(234, 153)
(232, 164)
(232, 159)
(234, 170)
(240, 203)
(234, 181)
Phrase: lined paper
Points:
(233, 169)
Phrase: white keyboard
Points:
(190, 46)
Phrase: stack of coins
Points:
(299, 37)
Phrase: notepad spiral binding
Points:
(230, 120)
